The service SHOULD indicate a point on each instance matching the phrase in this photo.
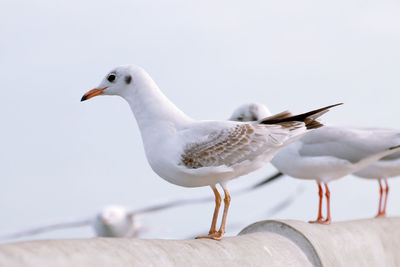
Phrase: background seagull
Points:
(120, 221)
(382, 169)
(250, 112)
(194, 153)
(330, 153)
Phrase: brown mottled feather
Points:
(234, 145)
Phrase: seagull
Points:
(383, 169)
(120, 221)
(116, 221)
(110, 221)
(250, 112)
(193, 153)
(329, 153)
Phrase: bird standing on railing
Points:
(194, 153)
(383, 169)
(328, 153)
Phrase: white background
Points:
(61, 158)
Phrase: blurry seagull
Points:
(119, 221)
(111, 221)
(193, 153)
(328, 153)
(382, 169)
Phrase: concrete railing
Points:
(372, 242)
(369, 242)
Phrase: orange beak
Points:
(93, 93)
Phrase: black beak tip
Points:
(83, 98)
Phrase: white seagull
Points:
(111, 221)
(116, 220)
(386, 167)
(193, 153)
(329, 153)
(120, 221)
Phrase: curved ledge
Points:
(289, 232)
(367, 242)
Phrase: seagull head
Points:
(113, 221)
(113, 215)
(119, 81)
(250, 112)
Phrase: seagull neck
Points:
(153, 109)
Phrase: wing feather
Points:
(47, 228)
(350, 144)
(238, 143)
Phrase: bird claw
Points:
(321, 221)
(215, 236)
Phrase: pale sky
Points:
(61, 158)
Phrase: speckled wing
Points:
(47, 228)
(233, 145)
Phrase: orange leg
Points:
(328, 205)
(227, 202)
(380, 199)
(218, 235)
(320, 193)
(383, 213)
(218, 201)
(213, 228)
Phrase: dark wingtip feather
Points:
(313, 125)
(309, 118)
(268, 180)
(394, 147)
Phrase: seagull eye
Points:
(111, 78)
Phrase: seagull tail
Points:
(309, 118)
(375, 157)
